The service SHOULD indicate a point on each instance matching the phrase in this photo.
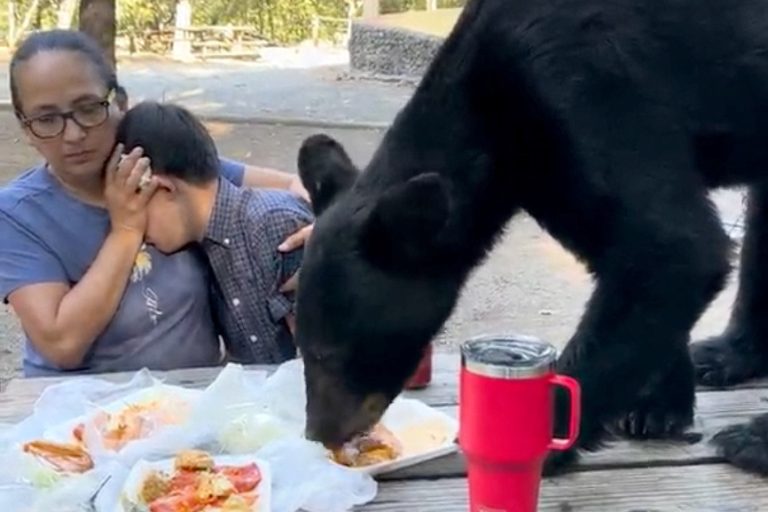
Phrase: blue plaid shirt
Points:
(245, 228)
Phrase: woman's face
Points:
(61, 81)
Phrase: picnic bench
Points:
(206, 41)
(649, 476)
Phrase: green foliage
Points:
(393, 6)
(279, 21)
(284, 21)
(136, 16)
(43, 15)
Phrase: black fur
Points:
(741, 353)
(745, 446)
(608, 122)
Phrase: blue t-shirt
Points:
(164, 318)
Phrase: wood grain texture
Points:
(715, 410)
(442, 391)
(704, 488)
(626, 476)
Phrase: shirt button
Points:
(254, 339)
(236, 302)
(226, 241)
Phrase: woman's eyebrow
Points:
(45, 108)
(42, 109)
(87, 97)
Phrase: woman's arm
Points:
(264, 177)
(61, 321)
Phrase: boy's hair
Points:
(175, 141)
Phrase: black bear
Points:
(608, 122)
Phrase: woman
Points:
(90, 295)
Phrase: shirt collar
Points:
(220, 227)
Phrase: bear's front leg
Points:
(649, 294)
(745, 445)
(665, 408)
(741, 352)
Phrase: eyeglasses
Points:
(86, 115)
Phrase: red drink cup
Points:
(423, 374)
(506, 408)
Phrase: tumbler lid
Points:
(508, 356)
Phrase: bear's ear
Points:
(325, 170)
(407, 219)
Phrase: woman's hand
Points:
(296, 240)
(297, 187)
(293, 242)
(128, 189)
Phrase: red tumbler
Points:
(506, 408)
(423, 374)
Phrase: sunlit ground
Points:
(437, 23)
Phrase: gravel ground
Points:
(288, 83)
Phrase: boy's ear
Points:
(166, 183)
(325, 169)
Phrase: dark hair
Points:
(64, 40)
(175, 141)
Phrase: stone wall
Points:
(387, 51)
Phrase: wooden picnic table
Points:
(627, 477)
(208, 40)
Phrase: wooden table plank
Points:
(445, 367)
(442, 391)
(715, 410)
(702, 488)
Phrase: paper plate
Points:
(63, 432)
(425, 432)
(139, 471)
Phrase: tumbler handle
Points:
(574, 390)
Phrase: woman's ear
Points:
(27, 135)
(121, 99)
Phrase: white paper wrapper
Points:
(130, 493)
(303, 478)
(171, 436)
(63, 402)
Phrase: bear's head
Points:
(373, 290)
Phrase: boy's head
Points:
(183, 159)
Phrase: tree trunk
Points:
(11, 24)
(182, 44)
(66, 13)
(97, 19)
(26, 22)
(371, 9)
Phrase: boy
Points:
(237, 229)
